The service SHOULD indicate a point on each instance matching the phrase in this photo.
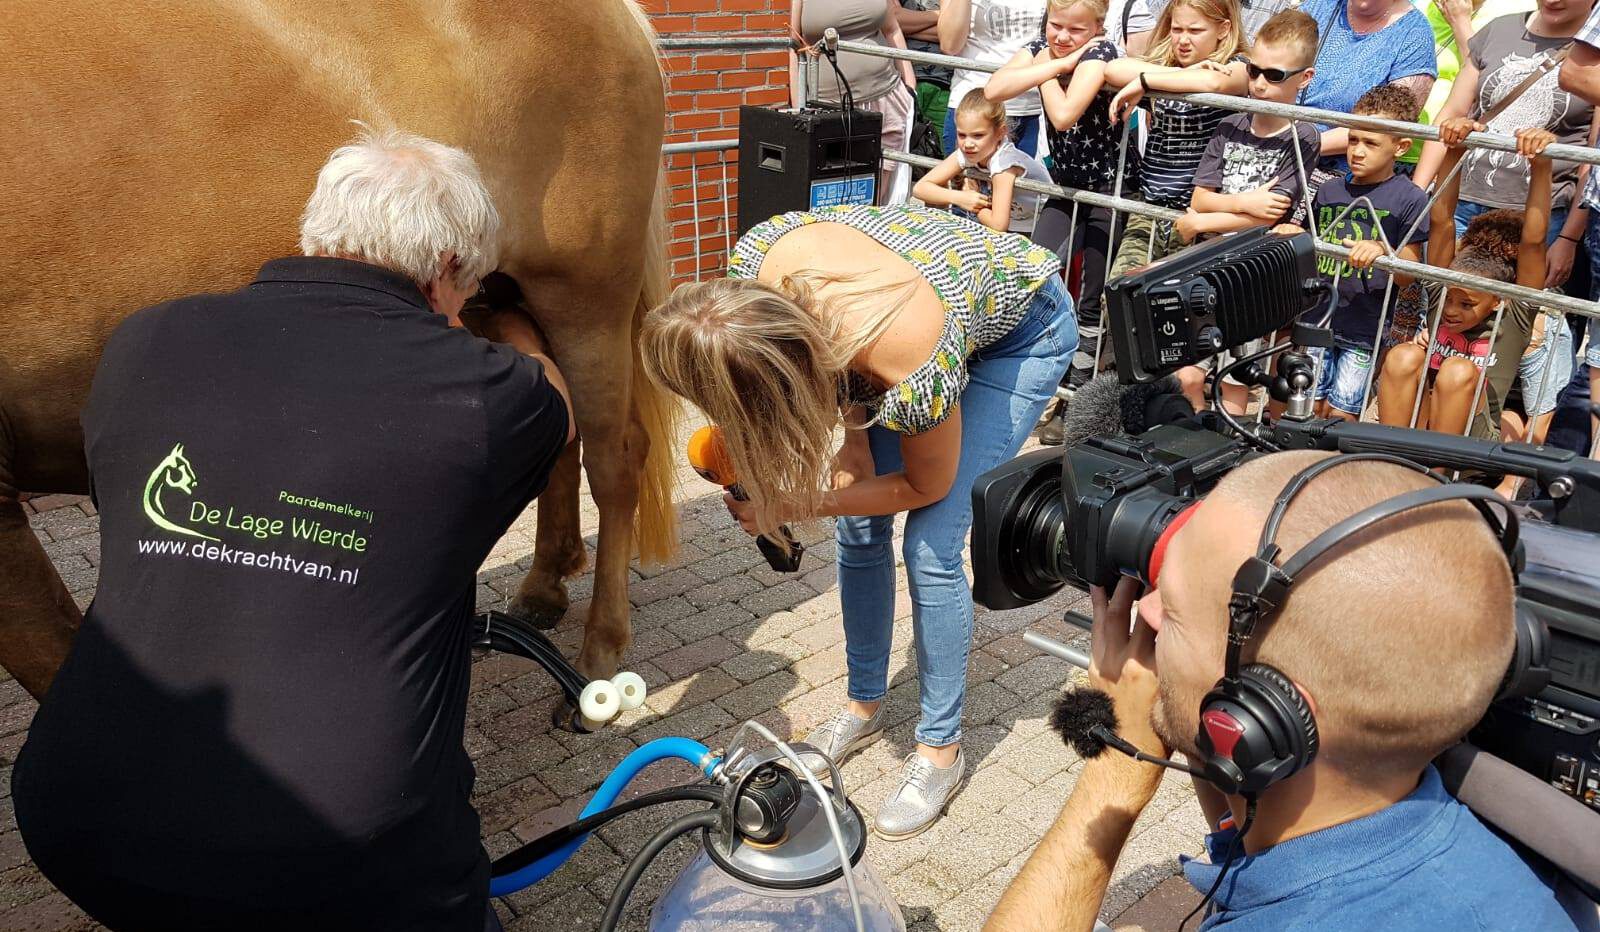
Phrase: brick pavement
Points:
(720, 638)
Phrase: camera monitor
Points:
(1207, 298)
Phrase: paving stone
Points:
(1041, 758)
(919, 887)
(1162, 909)
(42, 505)
(1038, 675)
(707, 652)
(986, 792)
(476, 743)
(766, 693)
(693, 691)
(505, 807)
(820, 635)
(726, 563)
(485, 705)
(823, 667)
(510, 764)
(662, 611)
(726, 589)
(765, 630)
(16, 717)
(495, 668)
(524, 723)
(715, 619)
(589, 861)
(50, 913)
(575, 911)
(675, 582)
(758, 662)
(987, 702)
(687, 553)
(584, 771)
(1011, 649)
(955, 867)
(695, 723)
(1038, 807)
(647, 645)
(780, 597)
(12, 851)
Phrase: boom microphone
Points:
(1087, 721)
(710, 459)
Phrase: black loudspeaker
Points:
(805, 160)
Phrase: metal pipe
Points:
(699, 145)
(1496, 141)
(1055, 648)
(1514, 292)
(720, 43)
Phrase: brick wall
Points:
(704, 92)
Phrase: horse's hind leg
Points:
(37, 616)
(557, 546)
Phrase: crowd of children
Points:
(1405, 352)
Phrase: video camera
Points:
(1098, 510)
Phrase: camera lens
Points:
(1033, 557)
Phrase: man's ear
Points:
(1306, 76)
(1405, 144)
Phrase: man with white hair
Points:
(260, 725)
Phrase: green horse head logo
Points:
(174, 472)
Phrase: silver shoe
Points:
(841, 736)
(923, 796)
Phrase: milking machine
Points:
(593, 702)
(778, 849)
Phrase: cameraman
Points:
(1397, 643)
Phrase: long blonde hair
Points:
(766, 364)
(1218, 11)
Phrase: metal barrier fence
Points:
(1552, 304)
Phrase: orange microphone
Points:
(710, 459)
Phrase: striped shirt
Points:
(1179, 132)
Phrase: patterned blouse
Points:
(986, 281)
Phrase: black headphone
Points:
(1255, 726)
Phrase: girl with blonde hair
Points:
(935, 343)
(1192, 49)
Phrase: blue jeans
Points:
(1024, 132)
(1345, 370)
(1008, 385)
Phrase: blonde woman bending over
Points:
(938, 342)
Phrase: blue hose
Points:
(660, 749)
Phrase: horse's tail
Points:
(656, 530)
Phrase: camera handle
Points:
(1297, 372)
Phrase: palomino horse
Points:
(156, 150)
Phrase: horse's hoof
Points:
(539, 615)
(566, 717)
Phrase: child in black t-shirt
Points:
(1473, 341)
(1250, 173)
(1370, 210)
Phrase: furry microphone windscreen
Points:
(1077, 713)
(1104, 407)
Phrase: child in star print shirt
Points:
(1067, 64)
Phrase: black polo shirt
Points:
(260, 725)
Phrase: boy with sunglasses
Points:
(1250, 175)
